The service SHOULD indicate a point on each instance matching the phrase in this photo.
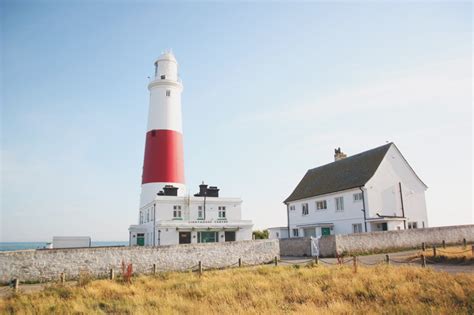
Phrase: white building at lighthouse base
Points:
(202, 218)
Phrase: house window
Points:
(358, 197)
(176, 211)
(357, 228)
(292, 208)
(208, 237)
(163, 76)
(295, 232)
(141, 217)
(278, 235)
(304, 209)
(320, 205)
(148, 215)
(339, 203)
(412, 225)
(222, 212)
(168, 92)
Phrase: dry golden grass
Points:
(262, 290)
(451, 254)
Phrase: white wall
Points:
(277, 233)
(383, 192)
(342, 220)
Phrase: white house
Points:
(168, 214)
(205, 217)
(375, 190)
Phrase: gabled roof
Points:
(351, 172)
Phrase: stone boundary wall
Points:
(46, 265)
(298, 246)
(379, 241)
(301, 246)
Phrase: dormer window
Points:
(163, 76)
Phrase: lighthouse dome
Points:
(166, 67)
(166, 56)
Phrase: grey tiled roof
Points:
(351, 172)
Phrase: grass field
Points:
(265, 289)
(451, 254)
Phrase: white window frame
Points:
(339, 203)
(304, 208)
(296, 233)
(177, 212)
(200, 213)
(357, 197)
(321, 205)
(222, 214)
(412, 225)
(357, 228)
(292, 208)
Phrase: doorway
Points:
(185, 237)
(230, 236)
(141, 239)
(325, 231)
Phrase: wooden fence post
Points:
(200, 267)
(111, 274)
(464, 243)
(423, 246)
(387, 259)
(62, 277)
(316, 259)
(434, 251)
(154, 269)
(240, 262)
(472, 248)
(354, 260)
(444, 244)
(16, 284)
(276, 261)
(423, 261)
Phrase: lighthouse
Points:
(163, 164)
(168, 214)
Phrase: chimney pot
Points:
(338, 154)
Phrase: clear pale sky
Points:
(270, 90)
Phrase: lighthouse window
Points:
(168, 92)
(163, 77)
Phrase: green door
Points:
(325, 231)
(141, 239)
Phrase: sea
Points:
(9, 246)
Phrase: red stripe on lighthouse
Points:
(163, 157)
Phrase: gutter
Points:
(363, 208)
(403, 208)
(154, 223)
(288, 218)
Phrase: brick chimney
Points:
(339, 155)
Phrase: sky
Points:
(270, 89)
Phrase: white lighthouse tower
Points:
(163, 162)
(168, 214)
